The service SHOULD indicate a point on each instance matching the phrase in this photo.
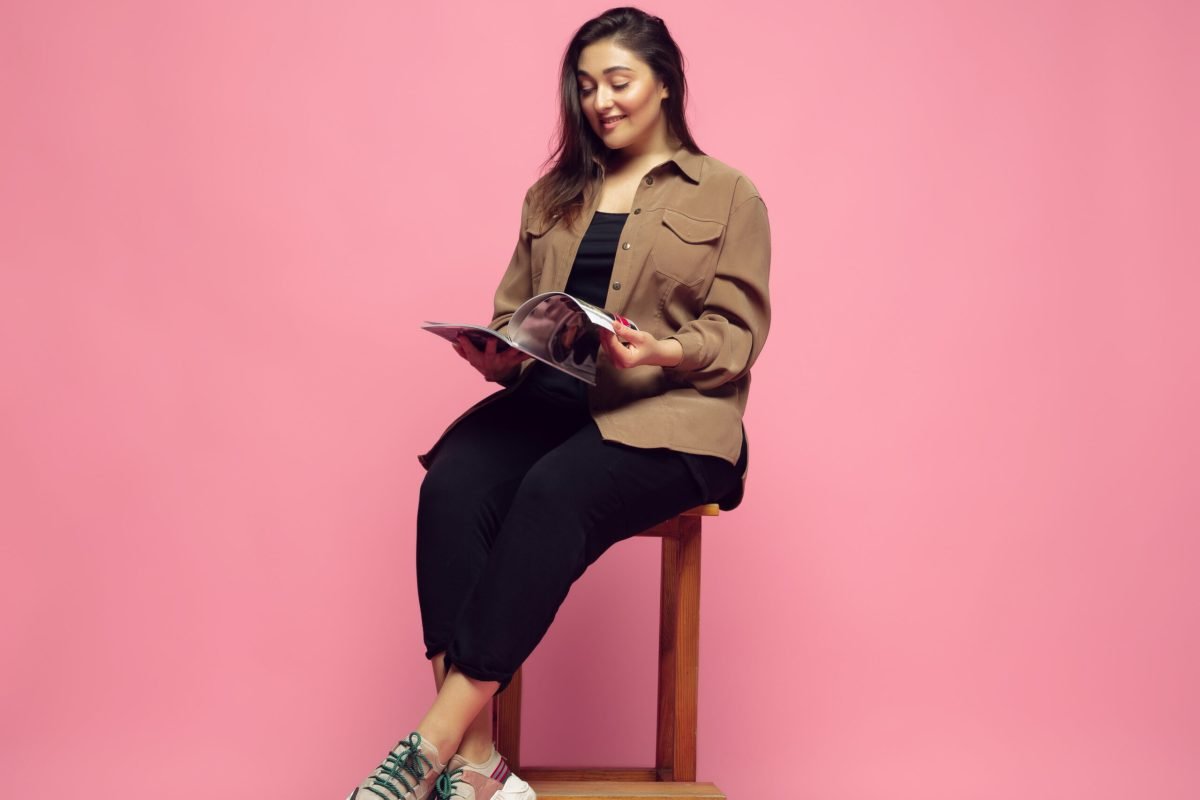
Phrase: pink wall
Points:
(966, 566)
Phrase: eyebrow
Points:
(607, 70)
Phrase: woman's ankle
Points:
(476, 749)
(445, 745)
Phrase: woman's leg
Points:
(465, 495)
(463, 499)
(572, 505)
(476, 744)
(459, 702)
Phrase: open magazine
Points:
(553, 327)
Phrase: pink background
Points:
(966, 566)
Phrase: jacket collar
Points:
(688, 162)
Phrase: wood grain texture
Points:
(668, 624)
(669, 528)
(687, 643)
(506, 721)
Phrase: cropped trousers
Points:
(519, 498)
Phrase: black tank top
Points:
(588, 281)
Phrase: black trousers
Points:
(519, 499)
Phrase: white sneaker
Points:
(491, 780)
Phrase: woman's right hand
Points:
(493, 366)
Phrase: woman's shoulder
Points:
(533, 216)
(722, 177)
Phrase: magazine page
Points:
(561, 330)
(555, 330)
(598, 315)
(595, 314)
(554, 327)
(477, 334)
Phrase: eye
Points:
(585, 91)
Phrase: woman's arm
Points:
(724, 341)
(515, 288)
(516, 285)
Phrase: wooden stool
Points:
(678, 673)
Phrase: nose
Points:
(602, 100)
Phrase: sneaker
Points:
(491, 780)
(408, 772)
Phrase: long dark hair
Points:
(578, 156)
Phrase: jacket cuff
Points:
(693, 351)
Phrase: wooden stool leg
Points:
(679, 653)
(506, 721)
(668, 603)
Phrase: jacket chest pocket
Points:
(684, 258)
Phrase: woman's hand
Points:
(492, 365)
(627, 347)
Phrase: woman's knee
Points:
(562, 511)
(555, 487)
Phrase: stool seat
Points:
(674, 770)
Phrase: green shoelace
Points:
(406, 758)
(446, 783)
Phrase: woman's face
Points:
(614, 83)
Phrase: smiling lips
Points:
(609, 122)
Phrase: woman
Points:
(532, 484)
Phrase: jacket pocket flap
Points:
(690, 229)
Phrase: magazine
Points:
(554, 327)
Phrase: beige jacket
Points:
(692, 265)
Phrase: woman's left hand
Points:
(627, 347)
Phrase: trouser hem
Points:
(478, 674)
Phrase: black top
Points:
(588, 281)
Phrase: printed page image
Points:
(570, 340)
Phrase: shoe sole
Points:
(515, 789)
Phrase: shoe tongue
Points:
(432, 753)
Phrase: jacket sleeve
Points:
(516, 285)
(724, 341)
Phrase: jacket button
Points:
(637, 211)
(649, 179)
(626, 246)
(616, 284)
